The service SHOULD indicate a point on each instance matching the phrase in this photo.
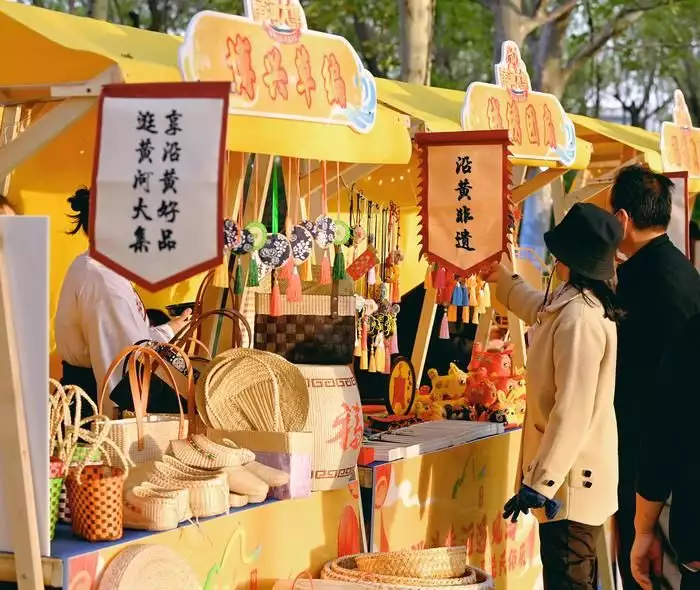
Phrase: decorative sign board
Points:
(679, 228)
(402, 387)
(278, 68)
(26, 248)
(156, 204)
(464, 198)
(680, 141)
(539, 128)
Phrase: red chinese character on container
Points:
(240, 62)
(497, 529)
(469, 533)
(254, 579)
(305, 81)
(550, 139)
(512, 528)
(512, 560)
(482, 535)
(275, 77)
(530, 544)
(333, 82)
(522, 556)
(494, 564)
(502, 565)
(348, 427)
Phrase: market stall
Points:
(50, 121)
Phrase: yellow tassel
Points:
(465, 315)
(363, 361)
(358, 349)
(475, 315)
(486, 296)
(452, 313)
(306, 271)
(372, 363)
(221, 277)
(379, 358)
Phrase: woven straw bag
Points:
(252, 390)
(154, 567)
(193, 328)
(145, 437)
(336, 421)
(442, 562)
(95, 495)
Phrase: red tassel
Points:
(285, 271)
(395, 342)
(441, 279)
(444, 328)
(325, 270)
(275, 299)
(387, 357)
(294, 287)
(364, 335)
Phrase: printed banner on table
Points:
(680, 141)
(248, 549)
(679, 228)
(538, 126)
(156, 204)
(464, 198)
(278, 67)
(455, 497)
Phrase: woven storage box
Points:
(290, 452)
(320, 329)
(335, 419)
(442, 562)
(96, 502)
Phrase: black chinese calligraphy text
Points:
(142, 179)
(463, 189)
(168, 210)
(171, 151)
(146, 121)
(169, 180)
(145, 150)
(463, 214)
(173, 122)
(463, 165)
(141, 210)
(166, 241)
(140, 244)
(463, 240)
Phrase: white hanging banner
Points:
(156, 204)
(679, 228)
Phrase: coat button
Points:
(515, 277)
(587, 484)
(549, 483)
(587, 473)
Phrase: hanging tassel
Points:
(363, 360)
(452, 313)
(325, 270)
(395, 290)
(387, 357)
(441, 279)
(475, 315)
(372, 363)
(379, 359)
(339, 264)
(486, 296)
(358, 348)
(275, 297)
(221, 276)
(395, 341)
(363, 339)
(457, 298)
(444, 327)
(428, 281)
(466, 299)
(294, 287)
(253, 272)
(307, 273)
(239, 282)
(285, 271)
(371, 277)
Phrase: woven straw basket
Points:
(335, 419)
(154, 567)
(442, 562)
(95, 497)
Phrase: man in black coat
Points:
(670, 464)
(659, 290)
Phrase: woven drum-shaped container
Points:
(335, 419)
(441, 562)
(154, 567)
(80, 454)
(96, 502)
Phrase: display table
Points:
(252, 546)
(455, 497)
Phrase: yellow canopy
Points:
(58, 48)
(440, 110)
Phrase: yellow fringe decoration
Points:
(221, 277)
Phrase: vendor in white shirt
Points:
(99, 314)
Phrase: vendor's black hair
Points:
(602, 291)
(80, 203)
(645, 195)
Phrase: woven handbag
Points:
(318, 330)
(146, 437)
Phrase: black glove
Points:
(525, 500)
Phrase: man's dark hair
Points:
(80, 203)
(645, 195)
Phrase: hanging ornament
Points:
(276, 251)
(302, 243)
(259, 233)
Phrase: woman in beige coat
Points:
(569, 444)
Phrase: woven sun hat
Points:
(146, 509)
(439, 563)
(155, 567)
(247, 389)
(199, 451)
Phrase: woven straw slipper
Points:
(237, 501)
(155, 567)
(181, 495)
(274, 478)
(198, 451)
(145, 509)
(208, 496)
(243, 482)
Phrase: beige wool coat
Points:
(569, 443)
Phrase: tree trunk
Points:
(549, 71)
(416, 19)
(99, 9)
(509, 25)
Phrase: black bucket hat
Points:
(586, 241)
